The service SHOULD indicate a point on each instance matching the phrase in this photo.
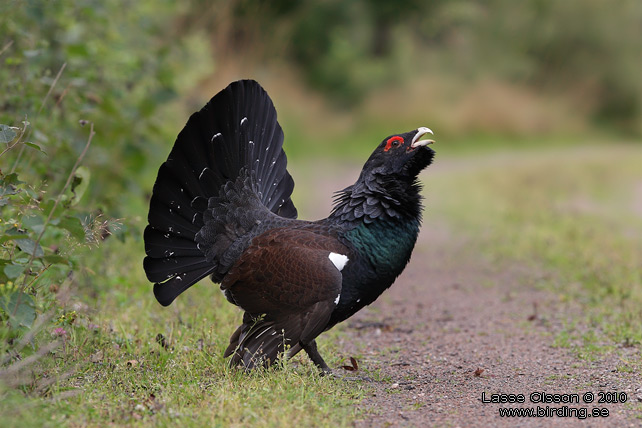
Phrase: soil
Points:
(455, 326)
(452, 327)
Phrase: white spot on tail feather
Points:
(243, 120)
(215, 136)
(338, 260)
(336, 301)
(261, 333)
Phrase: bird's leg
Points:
(313, 353)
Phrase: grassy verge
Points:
(127, 361)
(573, 214)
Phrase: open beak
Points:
(416, 142)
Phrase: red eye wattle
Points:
(391, 142)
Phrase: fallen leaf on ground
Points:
(354, 367)
(160, 339)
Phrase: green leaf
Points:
(8, 190)
(47, 206)
(13, 271)
(30, 247)
(80, 184)
(33, 222)
(11, 179)
(73, 226)
(56, 259)
(20, 307)
(7, 134)
(35, 146)
(11, 234)
(7, 184)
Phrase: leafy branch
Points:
(72, 174)
(7, 135)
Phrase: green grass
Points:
(114, 370)
(574, 215)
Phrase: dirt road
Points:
(455, 326)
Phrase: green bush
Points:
(110, 63)
(73, 75)
(38, 238)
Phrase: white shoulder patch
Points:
(338, 260)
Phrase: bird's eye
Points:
(393, 142)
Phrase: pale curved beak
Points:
(416, 142)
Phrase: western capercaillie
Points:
(221, 207)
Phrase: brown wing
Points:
(288, 286)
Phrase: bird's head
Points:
(388, 186)
(401, 155)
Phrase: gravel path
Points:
(454, 327)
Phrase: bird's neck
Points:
(380, 217)
(378, 198)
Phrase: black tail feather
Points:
(166, 292)
(260, 342)
(159, 247)
(237, 130)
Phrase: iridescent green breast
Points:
(386, 244)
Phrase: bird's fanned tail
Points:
(235, 137)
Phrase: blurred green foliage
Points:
(69, 69)
(110, 63)
(588, 50)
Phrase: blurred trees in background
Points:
(120, 64)
(109, 63)
(588, 50)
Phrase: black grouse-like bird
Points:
(221, 207)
